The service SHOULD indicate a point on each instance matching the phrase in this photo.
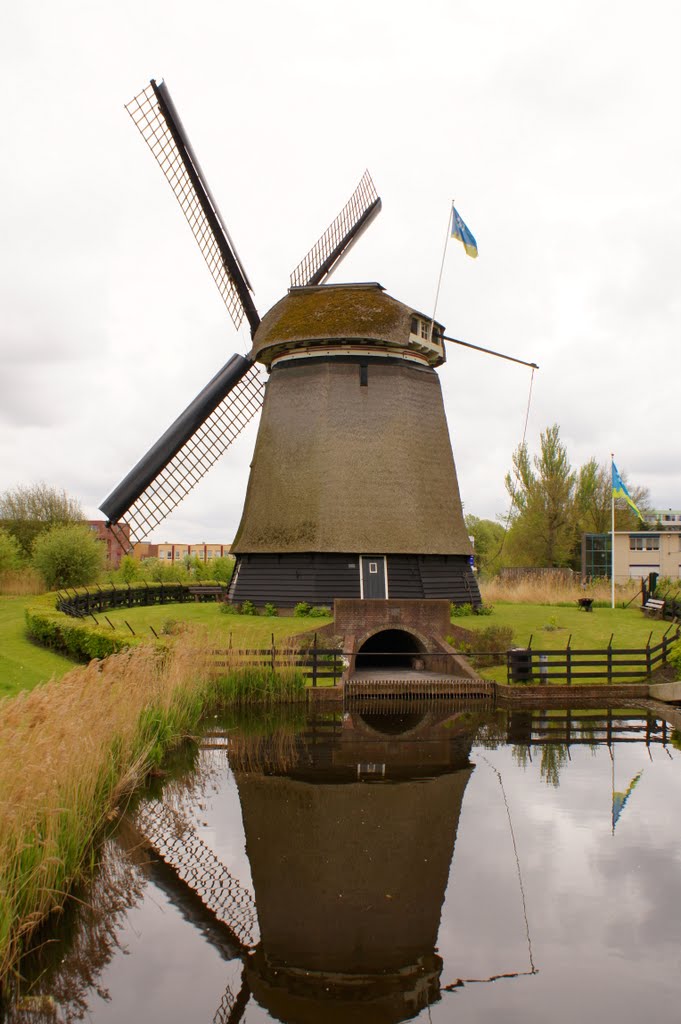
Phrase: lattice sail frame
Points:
(180, 846)
(194, 459)
(145, 110)
(336, 241)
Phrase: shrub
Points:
(302, 609)
(129, 569)
(488, 647)
(319, 611)
(248, 608)
(484, 609)
(223, 569)
(171, 627)
(271, 609)
(227, 608)
(458, 611)
(68, 556)
(155, 570)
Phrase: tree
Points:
(488, 537)
(593, 495)
(552, 505)
(542, 494)
(10, 552)
(129, 569)
(28, 511)
(223, 568)
(68, 556)
(593, 501)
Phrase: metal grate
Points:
(195, 457)
(337, 238)
(151, 121)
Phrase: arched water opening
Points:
(391, 648)
(395, 724)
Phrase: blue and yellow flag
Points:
(619, 490)
(460, 231)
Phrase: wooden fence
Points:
(586, 728)
(317, 663)
(526, 665)
(87, 600)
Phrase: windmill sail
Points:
(187, 450)
(340, 236)
(201, 434)
(154, 113)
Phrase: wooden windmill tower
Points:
(353, 490)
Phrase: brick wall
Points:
(362, 618)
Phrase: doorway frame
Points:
(373, 558)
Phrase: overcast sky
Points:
(556, 127)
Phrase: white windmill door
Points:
(374, 576)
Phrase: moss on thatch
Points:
(360, 312)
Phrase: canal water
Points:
(379, 865)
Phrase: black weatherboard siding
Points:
(319, 578)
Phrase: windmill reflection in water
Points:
(350, 830)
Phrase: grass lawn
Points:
(629, 628)
(24, 664)
(246, 630)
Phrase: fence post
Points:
(568, 662)
(649, 666)
(272, 653)
(610, 658)
(314, 662)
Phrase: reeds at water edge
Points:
(73, 749)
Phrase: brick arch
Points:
(419, 637)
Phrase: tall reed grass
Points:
(71, 750)
(264, 678)
(22, 583)
(546, 591)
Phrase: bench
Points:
(653, 607)
(200, 593)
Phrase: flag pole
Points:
(439, 280)
(612, 533)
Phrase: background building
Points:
(114, 547)
(176, 553)
(636, 554)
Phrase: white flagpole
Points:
(442, 267)
(612, 534)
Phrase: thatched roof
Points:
(343, 468)
(346, 313)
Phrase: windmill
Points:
(353, 489)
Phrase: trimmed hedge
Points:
(52, 628)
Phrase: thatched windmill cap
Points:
(350, 314)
